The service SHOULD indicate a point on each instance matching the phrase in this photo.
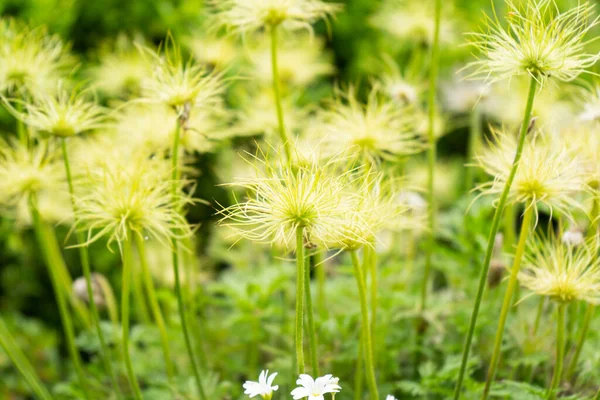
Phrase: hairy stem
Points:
(583, 332)
(87, 273)
(508, 296)
(175, 257)
(51, 253)
(492, 238)
(365, 327)
(299, 299)
(125, 314)
(312, 335)
(560, 351)
(287, 145)
(154, 305)
(11, 348)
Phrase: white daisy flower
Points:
(263, 387)
(390, 397)
(315, 389)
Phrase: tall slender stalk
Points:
(431, 152)
(175, 257)
(51, 253)
(585, 326)
(299, 342)
(287, 145)
(492, 238)
(126, 255)
(85, 264)
(11, 348)
(371, 262)
(321, 278)
(312, 336)
(508, 296)
(366, 327)
(560, 351)
(359, 372)
(154, 305)
(473, 145)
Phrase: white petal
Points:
(300, 393)
(271, 378)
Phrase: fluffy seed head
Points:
(590, 106)
(26, 171)
(31, 61)
(380, 129)
(177, 83)
(547, 173)
(62, 114)
(121, 70)
(282, 197)
(243, 16)
(134, 196)
(539, 41)
(563, 272)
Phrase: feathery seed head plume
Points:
(282, 197)
(244, 16)
(31, 60)
(62, 114)
(25, 171)
(177, 83)
(539, 41)
(379, 129)
(548, 174)
(121, 70)
(131, 196)
(561, 271)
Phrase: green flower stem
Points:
(585, 326)
(321, 272)
(359, 371)
(11, 348)
(560, 351)
(431, 159)
(126, 255)
(85, 264)
(371, 262)
(492, 238)
(299, 300)
(312, 336)
(140, 306)
(154, 305)
(474, 141)
(366, 327)
(175, 258)
(21, 129)
(53, 259)
(538, 316)
(287, 145)
(509, 228)
(508, 296)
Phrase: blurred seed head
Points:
(177, 83)
(547, 174)
(539, 41)
(563, 272)
(245, 16)
(121, 70)
(131, 196)
(25, 171)
(62, 114)
(377, 130)
(31, 60)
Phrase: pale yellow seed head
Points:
(563, 272)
